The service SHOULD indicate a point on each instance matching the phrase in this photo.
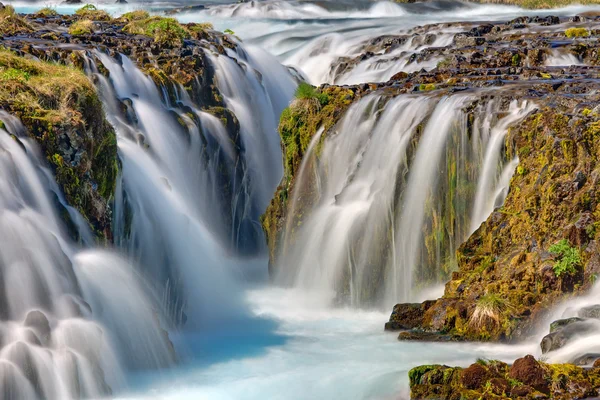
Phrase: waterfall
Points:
(398, 186)
(71, 320)
(191, 192)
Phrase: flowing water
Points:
(400, 184)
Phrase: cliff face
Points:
(540, 246)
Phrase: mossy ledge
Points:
(312, 110)
(60, 108)
(526, 378)
(42, 62)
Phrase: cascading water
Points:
(399, 185)
(191, 193)
(71, 320)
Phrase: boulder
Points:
(530, 372)
(407, 316)
(567, 333)
(590, 312)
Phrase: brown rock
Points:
(597, 363)
(530, 372)
(475, 376)
(500, 386)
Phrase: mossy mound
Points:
(11, 23)
(91, 12)
(83, 27)
(526, 378)
(60, 108)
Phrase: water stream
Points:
(401, 183)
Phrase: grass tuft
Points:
(89, 11)
(83, 27)
(577, 32)
(488, 310)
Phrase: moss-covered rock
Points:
(526, 378)
(60, 108)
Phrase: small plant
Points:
(426, 87)
(577, 32)
(568, 258)
(593, 278)
(488, 309)
(229, 31)
(516, 60)
(83, 27)
(167, 30)
(306, 91)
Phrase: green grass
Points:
(47, 12)
(306, 91)
(136, 15)
(11, 23)
(568, 258)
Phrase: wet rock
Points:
(567, 333)
(530, 372)
(463, 40)
(590, 312)
(407, 316)
(561, 323)
(586, 359)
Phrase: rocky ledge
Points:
(47, 83)
(540, 247)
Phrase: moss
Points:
(516, 60)
(577, 32)
(91, 12)
(426, 87)
(56, 102)
(82, 27)
(167, 31)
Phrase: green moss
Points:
(577, 32)
(516, 60)
(166, 31)
(47, 12)
(426, 87)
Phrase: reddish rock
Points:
(474, 377)
(530, 372)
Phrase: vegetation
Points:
(426, 87)
(568, 258)
(54, 101)
(541, 4)
(11, 23)
(305, 91)
(164, 30)
(577, 32)
(82, 27)
(47, 12)
(89, 11)
(136, 15)
(489, 308)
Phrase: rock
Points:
(597, 363)
(590, 312)
(561, 323)
(407, 316)
(121, 2)
(72, 2)
(586, 359)
(530, 372)
(474, 376)
(462, 40)
(568, 332)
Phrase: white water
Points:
(370, 191)
(327, 354)
(63, 335)
(182, 240)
